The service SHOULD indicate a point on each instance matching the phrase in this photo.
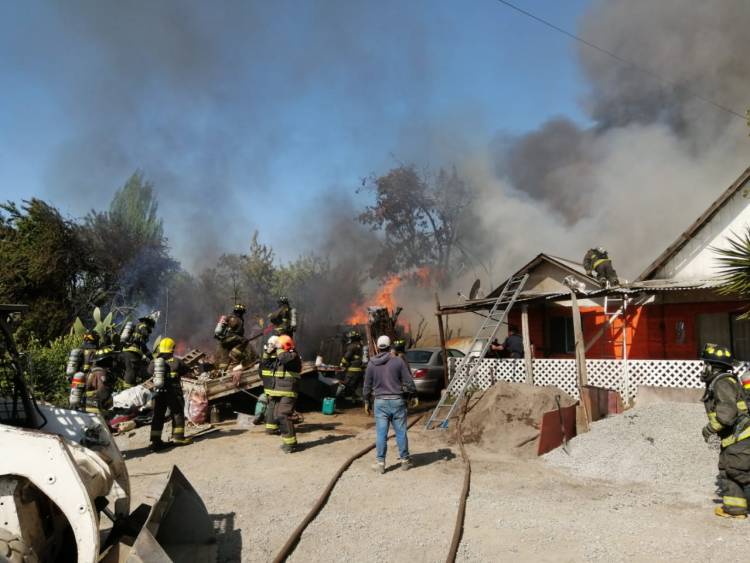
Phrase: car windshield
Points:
(418, 356)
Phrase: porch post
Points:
(625, 371)
(527, 344)
(583, 378)
(441, 333)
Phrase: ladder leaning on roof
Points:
(468, 366)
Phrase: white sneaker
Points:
(406, 464)
(379, 467)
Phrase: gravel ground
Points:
(519, 509)
(659, 444)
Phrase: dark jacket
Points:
(286, 375)
(514, 345)
(727, 409)
(267, 367)
(176, 368)
(387, 377)
(352, 360)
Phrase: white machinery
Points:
(60, 471)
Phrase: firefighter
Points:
(283, 319)
(135, 353)
(351, 362)
(90, 346)
(728, 419)
(230, 332)
(282, 396)
(100, 384)
(599, 265)
(167, 371)
(267, 366)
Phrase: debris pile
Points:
(507, 416)
(658, 443)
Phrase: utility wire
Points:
(622, 60)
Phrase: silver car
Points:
(427, 367)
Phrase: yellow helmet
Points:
(166, 346)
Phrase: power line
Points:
(664, 81)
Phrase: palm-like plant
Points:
(734, 266)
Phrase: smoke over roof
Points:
(198, 97)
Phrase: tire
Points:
(14, 550)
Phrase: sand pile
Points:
(658, 443)
(508, 414)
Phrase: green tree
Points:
(734, 266)
(129, 252)
(420, 216)
(44, 265)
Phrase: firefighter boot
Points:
(719, 511)
(178, 437)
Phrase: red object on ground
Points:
(550, 434)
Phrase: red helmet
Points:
(285, 342)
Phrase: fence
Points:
(601, 373)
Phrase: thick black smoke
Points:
(655, 154)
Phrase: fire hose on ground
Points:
(296, 535)
(291, 543)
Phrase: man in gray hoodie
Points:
(390, 383)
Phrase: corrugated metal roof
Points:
(641, 287)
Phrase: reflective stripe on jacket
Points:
(267, 368)
(286, 375)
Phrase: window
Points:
(714, 328)
(455, 353)
(741, 338)
(679, 332)
(727, 330)
(418, 356)
(562, 340)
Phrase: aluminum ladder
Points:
(468, 366)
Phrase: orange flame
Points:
(423, 276)
(382, 297)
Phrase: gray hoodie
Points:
(387, 377)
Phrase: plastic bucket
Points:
(329, 405)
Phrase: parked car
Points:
(427, 367)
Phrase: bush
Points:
(46, 375)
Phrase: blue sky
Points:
(239, 112)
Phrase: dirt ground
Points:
(519, 509)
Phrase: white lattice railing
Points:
(601, 373)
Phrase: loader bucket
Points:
(178, 527)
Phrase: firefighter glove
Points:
(707, 432)
(413, 402)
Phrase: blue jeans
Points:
(387, 412)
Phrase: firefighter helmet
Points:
(149, 320)
(166, 346)
(283, 300)
(272, 343)
(239, 309)
(399, 345)
(353, 335)
(716, 354)
(91, 336)
(285, 342)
